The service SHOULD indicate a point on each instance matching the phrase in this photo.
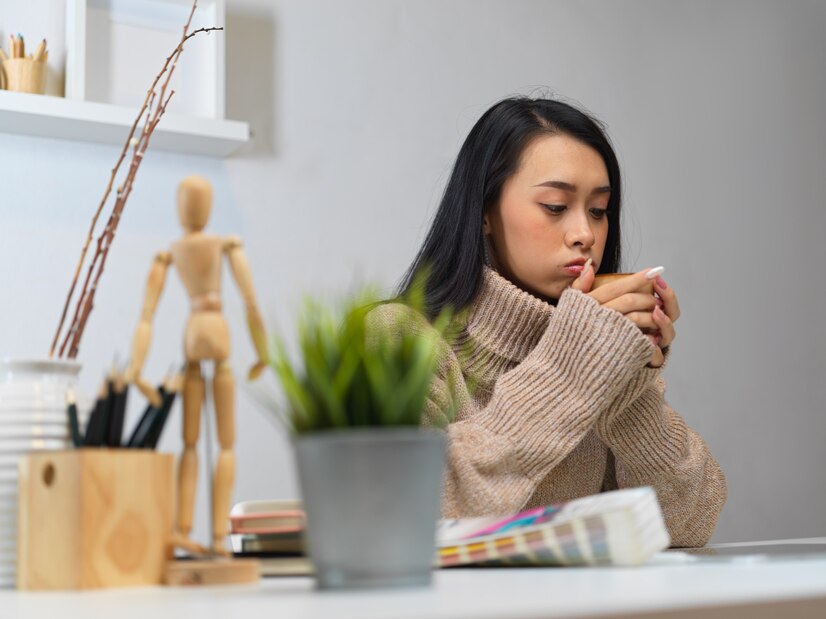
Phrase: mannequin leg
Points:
(224, 390)
(193, 396)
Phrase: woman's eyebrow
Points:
(572, 188)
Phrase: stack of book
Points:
(272, 532)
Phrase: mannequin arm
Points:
(243, 277)
(143, 332)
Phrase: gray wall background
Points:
(358, 108)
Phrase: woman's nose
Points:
(580, 233)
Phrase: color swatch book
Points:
(623, 527)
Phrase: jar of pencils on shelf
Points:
(24, 75)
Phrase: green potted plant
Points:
(370, 475)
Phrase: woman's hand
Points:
(665, 315)
(653, 314)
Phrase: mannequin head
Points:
(194, 203)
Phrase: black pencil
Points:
(142, 429)
(108, 411)
(118, 413)
(170, 391)
(94, 427)
(74, 425)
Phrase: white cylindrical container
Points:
(32, 417)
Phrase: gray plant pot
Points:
(372, 501)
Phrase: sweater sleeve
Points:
(651, 445)
(538, 412)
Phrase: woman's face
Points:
(552, 212)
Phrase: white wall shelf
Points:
(88, 121)
(103, 92)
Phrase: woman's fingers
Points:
(644, 320)
(585, 280)
(661, 340)
(633, 302)
(657, 358)
(622, 286)
(665, 326)
(653, 314)
(670, 305)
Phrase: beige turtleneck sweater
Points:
(556, 402)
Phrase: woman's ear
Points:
(486, 225)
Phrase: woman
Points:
(557, 389)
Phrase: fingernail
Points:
(654, 272)
(585, 267)
(658, 312)
(661, 283)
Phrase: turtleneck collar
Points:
(506, 319)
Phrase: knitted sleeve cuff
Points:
(643, 435)
(653, 446)
(644, 378)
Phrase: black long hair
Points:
(453, 251)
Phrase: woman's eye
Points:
(599, 213)
(556, 209)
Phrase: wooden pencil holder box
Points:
(24, 75)
(94, 518)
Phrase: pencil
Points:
(74, 425)
(120, 396)
(108, 410)
(145, 428)
(94, 434)
(142, 429)
(41, 48)
(170, 391)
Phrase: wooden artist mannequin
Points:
(197, 257)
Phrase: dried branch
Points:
(154, 106)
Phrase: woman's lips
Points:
(575, 269)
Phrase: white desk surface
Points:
(673, 585)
